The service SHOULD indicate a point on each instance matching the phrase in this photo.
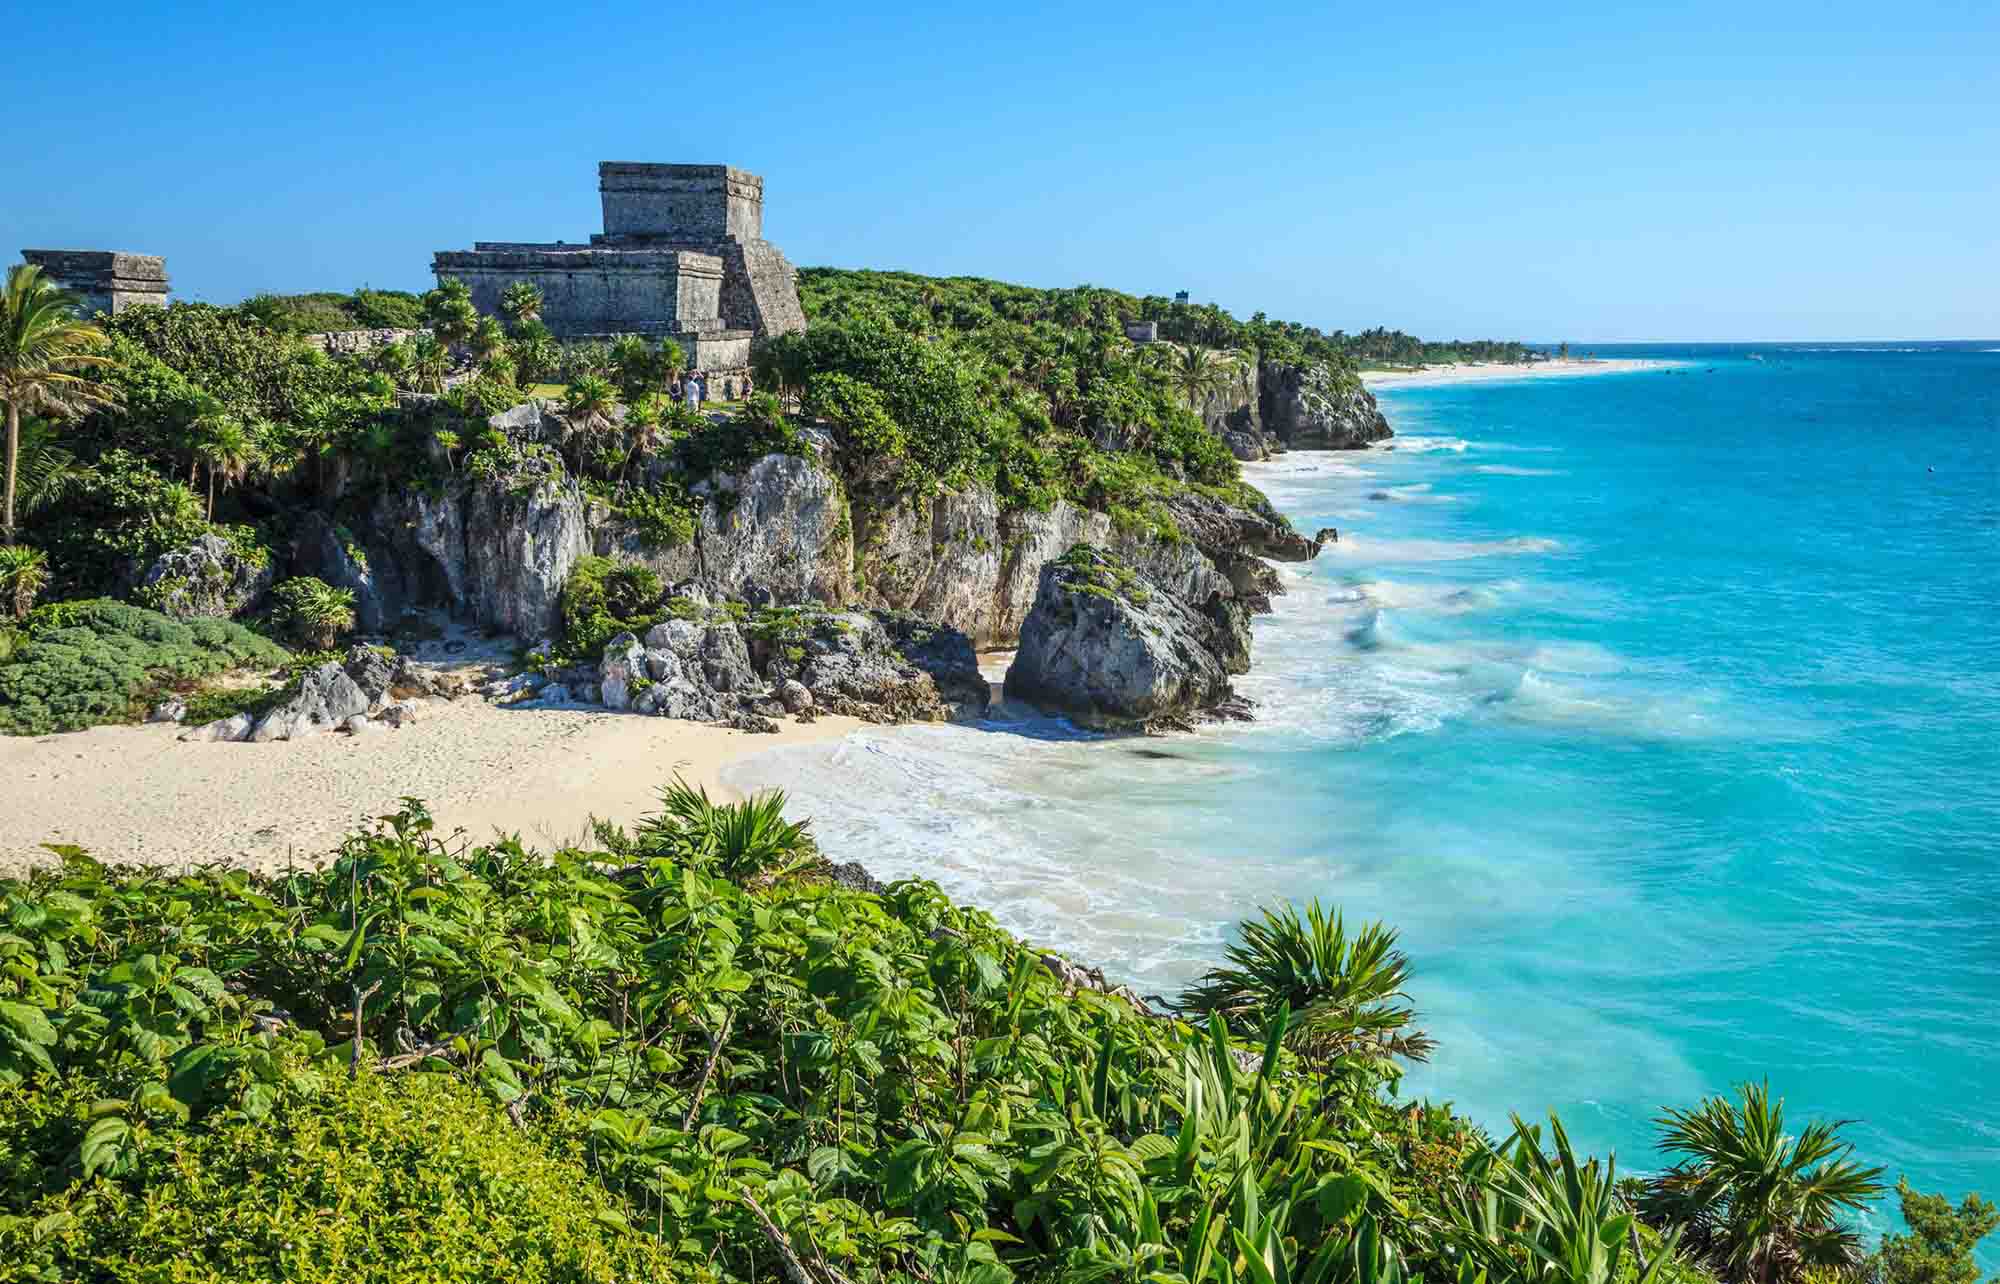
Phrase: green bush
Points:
(91, 662)
(375, 1178)
(115, 520)
(600, 599)
(312, 611)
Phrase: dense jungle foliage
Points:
(688, 1054)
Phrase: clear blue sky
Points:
(1698, 171)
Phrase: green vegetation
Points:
(684, 1054)
(88, 662)
(1938, 1247)
(601, 599)
(1759, 1203)
(326, 311)
(48, 362)
(313, 612)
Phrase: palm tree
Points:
(488, 341)
(1347, 991)
(430, 362)
(47, 471)
(587, 410)
(1195, 371)
(1758, 1204)
(24, 573)
(671, 361)
(521, 301)
(230, 451)
(46, 356)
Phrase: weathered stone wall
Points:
(344, 343)
(680, 202)
(590, 290)
(105, 280)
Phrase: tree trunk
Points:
(211, 494)
(13, 461)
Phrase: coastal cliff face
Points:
(1305, 408)
(498, 548)
(1272, 407)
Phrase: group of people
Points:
(692, 388)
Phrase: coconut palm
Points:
(1759, 1204)
(521, 301)
(1347, 991)
(228, 450)
(24, 573)
(47, 471)
(587, 405)
(47, 356)
(1195, 371)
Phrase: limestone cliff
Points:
(1307, 408)
(497, 549)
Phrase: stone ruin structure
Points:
(105, 280)
(682, 256)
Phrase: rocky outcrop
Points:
(332, 554)
(883, 666)
(327, 697)
(880, 666)
(776, 533)
(496, 548)
(209, 578)
(1110, 648)
(1310, 407)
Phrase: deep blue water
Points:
(1660, 711)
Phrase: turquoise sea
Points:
(1659, 710)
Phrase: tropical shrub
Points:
(1755, 1202)
(115, 520)
(1348, 991)
(318, 1176)
(312, 611)
(600, 599)
(24, 573)
(1939, 1244)
(98, 661)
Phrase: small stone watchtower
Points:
(105, 280)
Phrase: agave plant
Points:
(1759, 1204)
(24, 573)
(315, 612)
(739, 840)
(1347, 991)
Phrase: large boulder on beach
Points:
(327, 697)
(1109, 648)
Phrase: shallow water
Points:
(1660, 711)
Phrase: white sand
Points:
(138, 794)
(1482, 372)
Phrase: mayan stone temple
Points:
(105, 280)
(682, 256)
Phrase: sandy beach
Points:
(137, 794)
(1483, 372)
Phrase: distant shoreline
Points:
(1492, 371)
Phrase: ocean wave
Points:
(1371, 548)
(1424, 445)
(1445, 599)
(1415, 493)
(1508, 470)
